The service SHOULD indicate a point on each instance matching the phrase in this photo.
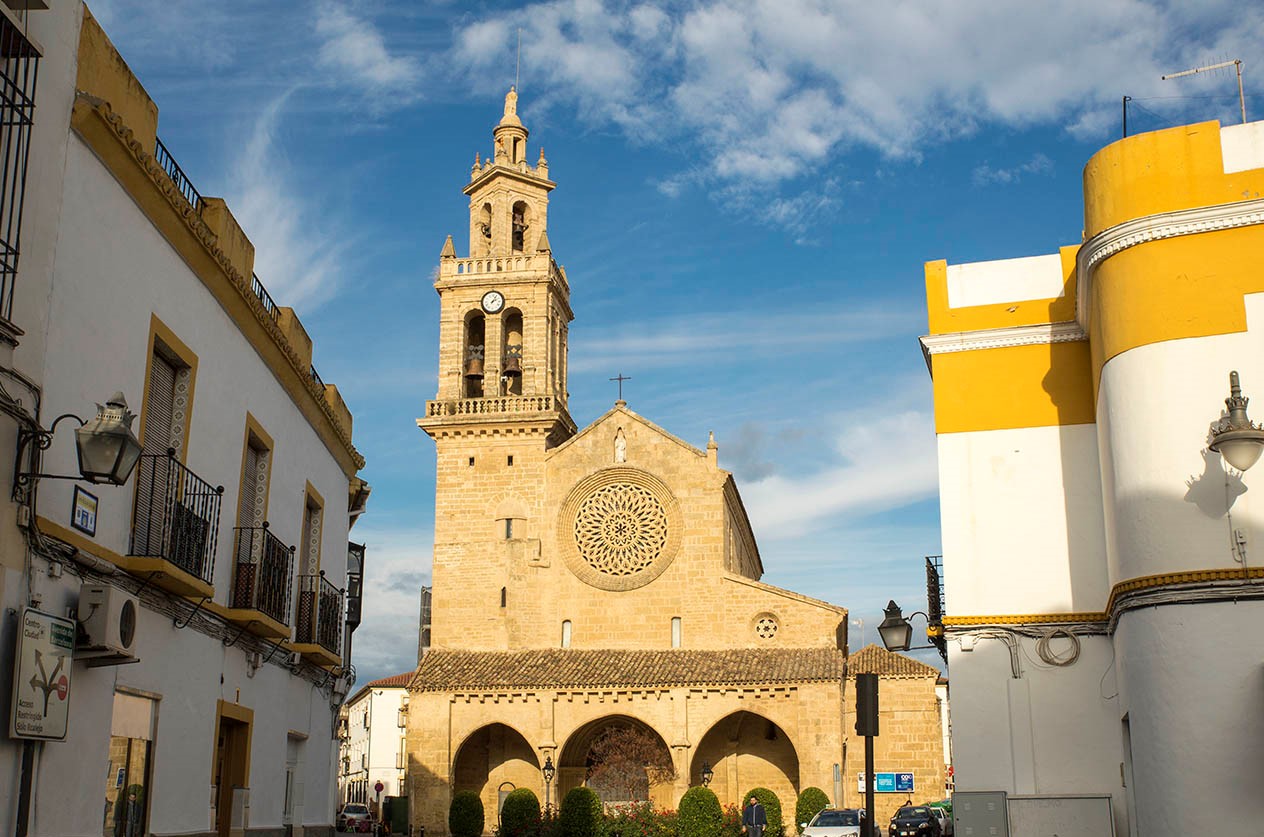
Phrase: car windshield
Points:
(913, 812)
(355, 809)
(830, 819)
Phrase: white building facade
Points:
(1099, 558)
(373, 751)
(207, 592)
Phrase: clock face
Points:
(493, 301)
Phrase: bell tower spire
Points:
(506, 308)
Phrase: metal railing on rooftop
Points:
(269, 304)
(177, 175)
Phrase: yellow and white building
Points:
(1102, 581)
(209, 591)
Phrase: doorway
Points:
(232, 768)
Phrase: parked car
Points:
(354, 817)
(915, 821)
(943, 813)
(833, 822)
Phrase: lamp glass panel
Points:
(896, 637)
(98, 453)
(1241, 453)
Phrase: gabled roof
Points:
(442, 671)
(622, 409)
(875, 660)
(395, 681)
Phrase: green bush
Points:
(732, 822)
(811, 801)
(465, 816)
(580, 815)
(700, 814)
(772, 808)
(520, 815)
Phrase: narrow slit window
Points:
(675, 632)
(566, 634)
(471, 462)
(510, 461)
(508, 528)
(503, 596)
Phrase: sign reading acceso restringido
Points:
(41, 677)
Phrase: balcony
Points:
(318, 623)
(175, 527)
(263, 572)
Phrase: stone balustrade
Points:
(450, 268)
(491, 406)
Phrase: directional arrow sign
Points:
(41, 682)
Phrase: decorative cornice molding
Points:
(101, 109)
(1002, 338)
(1149, 228)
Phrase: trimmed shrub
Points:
(580, 815)
(810, 803)
(465, 816)
(772, 808)
(520, 815)
(700, 814)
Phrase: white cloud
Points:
(880, 461)
(768, 92)
(985, 174)
(298, 257)
(356, 51)
(397, 564)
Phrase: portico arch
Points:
(491, 756)
(747, 750)
(576, 758)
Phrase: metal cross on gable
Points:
(621, 378)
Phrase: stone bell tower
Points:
(501, 402)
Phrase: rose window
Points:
(766, 627)
(620, 529)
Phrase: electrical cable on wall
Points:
(1054, 658)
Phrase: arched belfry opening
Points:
(622, 759)
(472, 373)
(521, 223)
(511, 352)
(485, 227)
(746, 750)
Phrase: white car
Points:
(833, 822)
(945, 819)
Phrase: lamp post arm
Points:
(30, 442)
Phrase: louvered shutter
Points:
(158, 405)
(151, 485)
(249, 488)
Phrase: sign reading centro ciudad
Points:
(41, 681)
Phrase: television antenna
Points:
(1236, 63)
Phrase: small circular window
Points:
(766, 626)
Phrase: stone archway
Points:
(577, 757)
(746, 751)
(490, 757)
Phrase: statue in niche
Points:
(620, 446)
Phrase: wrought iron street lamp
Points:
(108, 450)
(549, 772)
(707, 773)
(1235, 437)
(895, 630)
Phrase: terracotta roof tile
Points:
(873, 659)
(558, 668)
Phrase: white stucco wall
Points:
(1242, 146)
(1005, 280)
(1017, 544)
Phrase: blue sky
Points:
(747, 193)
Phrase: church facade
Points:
(590, 579)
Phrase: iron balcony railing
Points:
(263, 573)
(355, 583)
(177, 515)
(177, 175)
(269, 304)
(935, 603)
(319, 616)
(19, 67)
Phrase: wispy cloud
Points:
(298, 254)
(397, 564)
(356, 53)
(766, 92)
(985, 174)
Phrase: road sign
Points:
(904, 782)
(379, 787)
(41, 678)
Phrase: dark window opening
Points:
(503, 595)
(471, 462)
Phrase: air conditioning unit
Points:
(109, 618)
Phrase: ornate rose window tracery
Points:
(619, 529)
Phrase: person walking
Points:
(754, 819)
